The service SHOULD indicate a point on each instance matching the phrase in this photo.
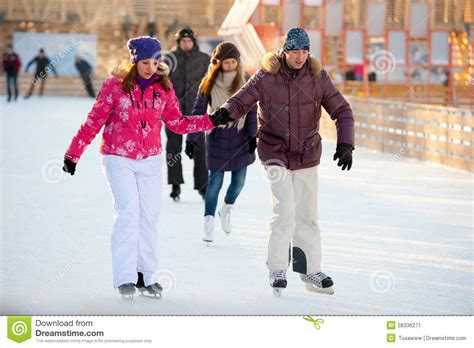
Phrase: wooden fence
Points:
(458, 96)
(425, 132)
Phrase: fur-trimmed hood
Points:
(271, 64)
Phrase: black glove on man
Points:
(69, 166)
(190, 149)
(220, 117)
(344, 153)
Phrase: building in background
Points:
(113, 21)
(416, 50)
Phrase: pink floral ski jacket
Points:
(133, 121)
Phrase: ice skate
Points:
(175, 192)
(224, 214)
(127, 290)
(318, 282)
(153, 290)
(208, 235)
(278, 282)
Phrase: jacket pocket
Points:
(312, 149)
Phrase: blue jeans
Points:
(12, 78)
(216, 178)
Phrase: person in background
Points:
(11, 65)
(188, 66)
(230, 149)
(358, 70)
(85, 71)
(43, 67)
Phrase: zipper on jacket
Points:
(289, 114)
(142, 139)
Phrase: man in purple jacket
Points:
(290, 90)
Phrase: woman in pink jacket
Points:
(132, 106)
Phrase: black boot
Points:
(175, 192)
(140, 283)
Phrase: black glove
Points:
(344, 153)
(69, 166)
(252, 144)
(190, 148)
(220, 117)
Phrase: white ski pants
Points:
(136, 190)
(295, 217)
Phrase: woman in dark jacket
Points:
(229, 149)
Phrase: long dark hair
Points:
(213, 72)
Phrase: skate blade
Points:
(127, 297)
(152, 296)
(313, 288)
(277, 292)
(208, 242)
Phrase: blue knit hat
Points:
(144, 47)
(296, 39)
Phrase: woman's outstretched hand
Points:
(220, 117)
(69, 166)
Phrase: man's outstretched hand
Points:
(220, 117)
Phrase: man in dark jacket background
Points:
(290, 90)
(85, 71)
(43, 67)
(11, 65)
(188, 66)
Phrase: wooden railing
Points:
(459, 95)
(424, 132)
(61, 86)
